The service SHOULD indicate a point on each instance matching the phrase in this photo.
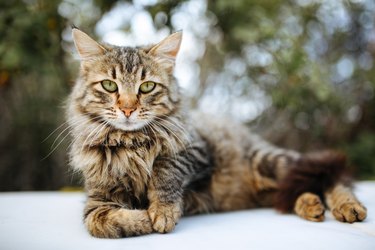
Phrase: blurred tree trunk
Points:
(33, 86)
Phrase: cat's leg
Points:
(166, 188)
(164, 215)
(309, 206)
(344, 205)
(110, 220)
(165, 196)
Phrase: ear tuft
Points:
(166, 51)
(86, 46)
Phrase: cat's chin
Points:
(129, 126)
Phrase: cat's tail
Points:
(312, 172)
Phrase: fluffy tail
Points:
(313, 172)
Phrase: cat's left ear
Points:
(87, 47)
(166, 51)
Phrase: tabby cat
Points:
(147, 161)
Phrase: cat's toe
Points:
(350, 212)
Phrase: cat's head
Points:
(125, 87)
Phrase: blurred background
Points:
(299, 72)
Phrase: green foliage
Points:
(33, 85)
(361, 153)
(316, 102)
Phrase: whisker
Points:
(173, 122)
(91, 133)
(69, 126)
(166, 137)
(178, 127)
(183, 142)
(171, 131)
(53, 150)
(54, 131)
(104, 126)
(73, 122)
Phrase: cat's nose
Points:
(128, 111)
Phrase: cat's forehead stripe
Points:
(129, 58)
(143, 74)
(113, 73)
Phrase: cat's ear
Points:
(166, 51)
(86, 46)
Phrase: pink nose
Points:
(128, 111)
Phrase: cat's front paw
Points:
(164, 217)
(350, 212)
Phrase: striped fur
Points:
(143, 172)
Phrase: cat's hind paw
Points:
(310, 207)
(350, 212)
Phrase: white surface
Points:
(53, 220)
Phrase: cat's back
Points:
(230, 143)
(222, 131)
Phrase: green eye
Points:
(109, 85)
(147, 87)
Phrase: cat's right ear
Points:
(165, 52)
(86, 46)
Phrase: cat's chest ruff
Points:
(131, 155)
